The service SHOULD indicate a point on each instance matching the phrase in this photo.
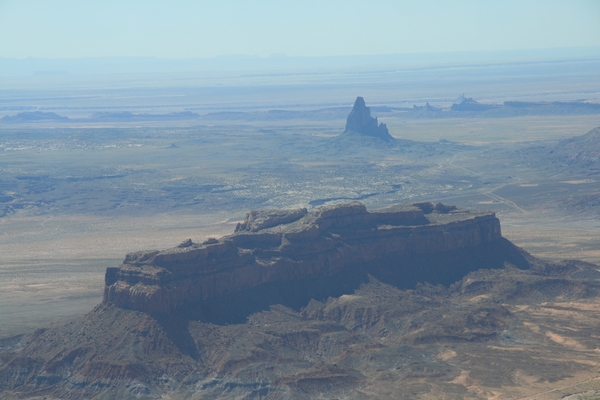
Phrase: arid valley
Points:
(89, 175)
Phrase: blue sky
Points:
(190, 29)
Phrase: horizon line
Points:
(282, 56)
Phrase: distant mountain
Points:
(554, 107)
(426, 111)
(553, 104)
(469, 104)
(360, 123)
(463, 108)
(33, 116)
(469, 107)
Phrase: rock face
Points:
(301, 251)
(361, 123)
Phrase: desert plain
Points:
(77, 195)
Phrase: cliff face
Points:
(277, 248)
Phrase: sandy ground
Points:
(52, 269)
(552, 238)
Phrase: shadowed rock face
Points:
(311, 254)
(361, 123)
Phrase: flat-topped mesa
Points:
(278, 246)
(360, 123)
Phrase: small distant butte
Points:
(360, 123)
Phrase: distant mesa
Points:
(363, 126)
(468, 104)
(426, 111)
(33, 116)
(360, 123)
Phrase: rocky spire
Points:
(360, 122)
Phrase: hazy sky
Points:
(174, 29)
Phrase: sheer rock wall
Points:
(278, 246)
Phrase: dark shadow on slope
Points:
(176, 329)
(448, 267)
(403, 272)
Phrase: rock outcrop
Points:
(274, 248)
(361, 123)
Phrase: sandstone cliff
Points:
(282, 248)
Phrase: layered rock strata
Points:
(276, 247)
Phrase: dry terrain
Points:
(76, 196)
(60, 233)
